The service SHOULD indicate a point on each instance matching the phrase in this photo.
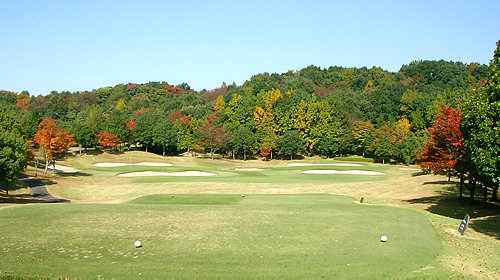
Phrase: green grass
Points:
(226, 236)
(285, 227)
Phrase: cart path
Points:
(39, 190)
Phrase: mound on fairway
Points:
(118, 164)
(260, 236)
(175, 174)
(347, 172)
(325, 164)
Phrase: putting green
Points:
(219, 236)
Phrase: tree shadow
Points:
(419, 173)
(489, 226)
(441, 183)
(75, 174)
(485, 217)
(19, 199)
(37, 181)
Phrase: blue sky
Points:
(85, 45)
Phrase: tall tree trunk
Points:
(245, 155)
(212, 153)
(472, 188)
(163, 146)
(271, 154)
(7, 187)
(232, 153)
(46, 163)
(494, 193)
(291, 157)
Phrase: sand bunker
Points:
(118, 164)
(248, 169)
(62, 169)
(324, 164)
(348, 172)
(178, 174)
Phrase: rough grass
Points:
(220, 236)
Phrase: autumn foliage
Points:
(173, 89)
(266, 150)
(444, 151)
(108, 140)
(52, 139)
(131, 124)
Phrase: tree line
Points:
(314, 111)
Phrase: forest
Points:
(326, 112)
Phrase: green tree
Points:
(185, 127)
(409, 148)
(290, 143)
(13, 155)
(29, 122)
(116, 124)
(481, 128)
(244, 140)
(144, 129)
(164, 134)
(84, 135)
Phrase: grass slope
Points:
(219, 236)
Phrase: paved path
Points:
(39, 190)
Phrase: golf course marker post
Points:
(463, 225)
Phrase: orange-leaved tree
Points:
(108, 140)
(52, 141)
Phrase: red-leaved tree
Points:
(444, 153)
(108, 140)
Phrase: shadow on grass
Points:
(76, 174)
(485, 217)
(36, 182)
(451, 183)
(19, 199)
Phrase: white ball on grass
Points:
(242, 195)
(383, 238)
(137, 244)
